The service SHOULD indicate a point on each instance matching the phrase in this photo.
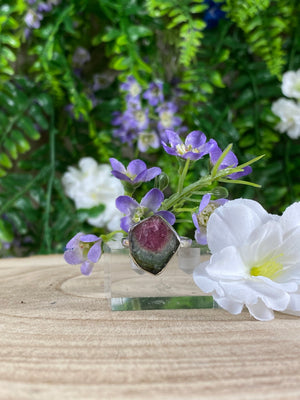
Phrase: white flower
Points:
(291, 84)
(93, 184)
(289, 113)
(255, 259)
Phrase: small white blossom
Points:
(255, 259)
(289, 113)
(92, 184)
(291, 84)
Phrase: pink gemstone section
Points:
(152, 234)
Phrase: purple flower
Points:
(154, 94)
(136, 171)
(230, 160)
(135, 212)
(148, 139)
(33, 19)
(200, 219)
(132, 87)
(167, 117)
(44, 7)
(194, 148)
(136, 118)
(85, 250)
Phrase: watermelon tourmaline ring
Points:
(152, 243)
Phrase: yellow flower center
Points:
(130, 176)
(139, 213)
(147, 138)
(85, 247)
(183, 149)
(166, 119)
(134, 89)
(203, 217)
(140, 116)
(270, 268)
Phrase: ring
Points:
(152, 243)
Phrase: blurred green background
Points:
(61, 67)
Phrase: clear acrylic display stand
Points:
(130, 288)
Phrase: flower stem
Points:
(183, 175)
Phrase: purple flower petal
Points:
(141, 177)
(211, 145)
(89, 238)
(126, 205)
(73, 257)
(204, 202)
(230, 160)
(168, 216)
(87, 267)
(221, 202)
(236, 175)
(153, 199)
(125, 223)
(74, 241)
(95, 252)
(135, 167)
(170, 150)
(195, 220)
(193, 155)
(173, 138)
(201, 235)
(215, 153)
(152, 173)
(121, 176)
(195, 139)
(117, 165)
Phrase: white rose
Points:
(289, 113)
(92, 184)
(291, 84)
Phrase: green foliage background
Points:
(228, 75)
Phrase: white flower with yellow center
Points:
(255, 259)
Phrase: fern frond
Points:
(265, 24)
(9, 38)
(181, 17)
(23, 114)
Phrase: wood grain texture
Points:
(59, 340)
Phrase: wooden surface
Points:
(59, 340)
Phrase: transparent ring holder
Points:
(130, 288)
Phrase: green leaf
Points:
(11, 148)
(5, 161)
(176, 21)
(120, 63)
(11, 40)
(26, 124)
(6, 232)
(198, 8)
(37, 114)
(137, 31)
(45, 101)
(216, 79)
(109, 36)
(8, 54)
(21, 143)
